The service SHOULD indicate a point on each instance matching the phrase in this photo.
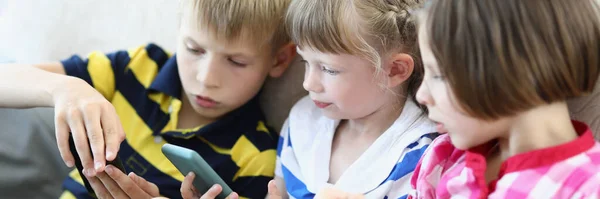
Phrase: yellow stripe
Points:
(251, 161)
(144, 68)
(75, 176)
(215, 148)
(175, 105)
(67, 195)
(139, 137)
(261, 127)
(162, 99)
(101, 73)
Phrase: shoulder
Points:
(150, 50)
(305, 107)
(436, 160)
(305, 114)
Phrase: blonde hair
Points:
(254, 20)
(367, 28)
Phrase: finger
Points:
(81, 143)
(233, 195)
(111, 185)
(213, 192)
(146, 186)
(125, 183)
(62, 139)
(99, 189)
(113, 131)
(273, 191)
(187, 189)
(91, 118)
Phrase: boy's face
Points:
(219, 76)
(342, 85)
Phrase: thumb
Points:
(273, 191)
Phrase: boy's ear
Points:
(283, 58)
(399, 69)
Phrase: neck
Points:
(188, 117)
(377, 122)
(542, 127)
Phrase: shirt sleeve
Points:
(98, 69)
(283, 138)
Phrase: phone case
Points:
(186, 160)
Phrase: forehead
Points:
(207, 38)
(427, 56)
(343, 61)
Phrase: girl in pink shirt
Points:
(497, 75)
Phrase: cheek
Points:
(186, 71)
(357, 94)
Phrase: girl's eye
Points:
(329, 71)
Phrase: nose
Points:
(423, 95)
(312, 80)
(209, 73)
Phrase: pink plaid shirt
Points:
(571, 170)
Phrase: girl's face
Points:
(342, 85)
(465, 131)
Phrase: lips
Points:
(321, 104)
(439, 127)
(205, 102)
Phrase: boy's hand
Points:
(115, 184)
(188, 191)
(84, 112)
(331, 193)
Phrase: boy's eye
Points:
(236, 63)
(329, 71)
(195, 50)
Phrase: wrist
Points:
(58, 86)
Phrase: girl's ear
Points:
(399, 69)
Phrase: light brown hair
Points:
(367, 28)
(503, 57)
(261, 21)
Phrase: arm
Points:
(25, 86)
(79, 108)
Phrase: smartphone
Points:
(186, 160)
(116, 162)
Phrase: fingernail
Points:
(214, 187)
(98, 166)
(108, 169)
(69, 163)
(109, 154)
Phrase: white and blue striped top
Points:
(382, 171)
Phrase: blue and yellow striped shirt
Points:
(143, 85)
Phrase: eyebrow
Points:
(234, 54)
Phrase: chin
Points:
(333, 116)
(460, 143)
